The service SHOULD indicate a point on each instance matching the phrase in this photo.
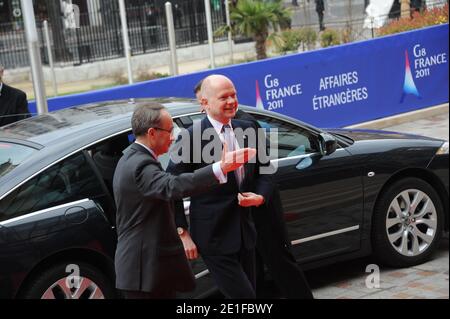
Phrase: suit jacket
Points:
(320, 6)
(12, 101)
(268, 218)
(149, 251)
(218, 225)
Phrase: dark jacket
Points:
(218, 225)
(149, 251)
(320, 6)
(13, 105)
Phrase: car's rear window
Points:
(11, 155)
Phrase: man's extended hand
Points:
(233, 160)
(250, 199)
(189, 246)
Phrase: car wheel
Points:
(407, 223)
(74, 281)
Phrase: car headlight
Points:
(443, 149)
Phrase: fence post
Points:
(126, 40)
(210, 33)
(35, 56)
(371, 25)
(172, 39)
(230, 40)
(50, 57)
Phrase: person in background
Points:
(320, 9)
(13, 103)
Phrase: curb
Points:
(403, 118)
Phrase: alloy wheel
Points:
(411, 222)
(67, 288)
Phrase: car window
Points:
(107, 154)
(292, 140)
(11, 155)
(67, 181)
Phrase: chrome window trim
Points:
(76, 151)
(324, 235)
(202, 274)
(288, 121)
(299, 241)
(301, 156)
(43, 211)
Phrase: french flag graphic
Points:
(409, 87)
(259, 102)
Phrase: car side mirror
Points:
(327, 144)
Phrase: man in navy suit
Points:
(221, 226)
(273, 247)
(13, 103)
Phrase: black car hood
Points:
(364, 135)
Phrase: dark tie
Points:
(230, 141)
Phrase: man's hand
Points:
(189, 246)
(250, 199)
(233, 160)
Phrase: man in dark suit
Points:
(273, 245)
(150, 261)
(220, 223)
(13, 103)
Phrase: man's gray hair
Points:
(145, 116)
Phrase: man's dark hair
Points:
(198, 86)
(146, 116)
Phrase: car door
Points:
(322, 195)
(56, 210)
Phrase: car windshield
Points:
(12, 155)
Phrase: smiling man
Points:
(220, 224)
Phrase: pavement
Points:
(430, 280)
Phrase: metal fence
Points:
(99, 35)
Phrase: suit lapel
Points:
(205, 125)
(139, 148)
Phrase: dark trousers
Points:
(166, 294)
(274, 249)
(285, 272)
(234, 274)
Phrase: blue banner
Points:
(331, 87)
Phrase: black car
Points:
(346, 194)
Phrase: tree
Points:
(255, 17)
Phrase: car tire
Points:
(405, 233)
(71, 281)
